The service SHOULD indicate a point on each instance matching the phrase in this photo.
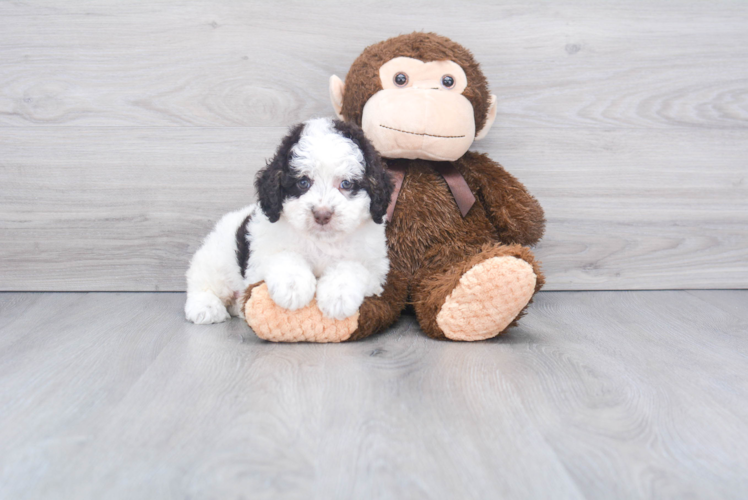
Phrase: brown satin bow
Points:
(454, 179)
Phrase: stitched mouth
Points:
(427, 135)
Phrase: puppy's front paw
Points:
(337, 300)
(205, 308)
(292, 290)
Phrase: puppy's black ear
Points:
(377, 182)
(269, 180)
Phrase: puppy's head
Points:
(326, 179)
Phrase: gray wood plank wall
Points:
(127, 129)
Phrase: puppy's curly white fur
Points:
(318, 229)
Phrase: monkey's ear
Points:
(336, 94)
(490, 117)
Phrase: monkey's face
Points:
(420, 111)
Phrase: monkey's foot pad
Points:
(273, 323)
(487, 299)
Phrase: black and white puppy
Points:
(318, 229)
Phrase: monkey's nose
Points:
(322, 215)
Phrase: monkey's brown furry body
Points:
(432, 245)
(467, 277)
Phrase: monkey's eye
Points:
(400, 79)
(448, 81)
(303, 183)
(346, 185)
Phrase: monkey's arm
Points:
(514, 212)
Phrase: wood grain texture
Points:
(596, 395)
(107, 208)
(574, 63)
(127, 129)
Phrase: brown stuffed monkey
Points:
(459, 225)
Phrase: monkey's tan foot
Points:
(488, 297)
(273, 323)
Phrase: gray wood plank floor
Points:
(596, 395)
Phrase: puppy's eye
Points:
(400, 79)
(346, 185)
(304, 183)
(448, 81)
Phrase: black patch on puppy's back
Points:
(242, 245)
(377, 181)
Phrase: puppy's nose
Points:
(322, 215)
